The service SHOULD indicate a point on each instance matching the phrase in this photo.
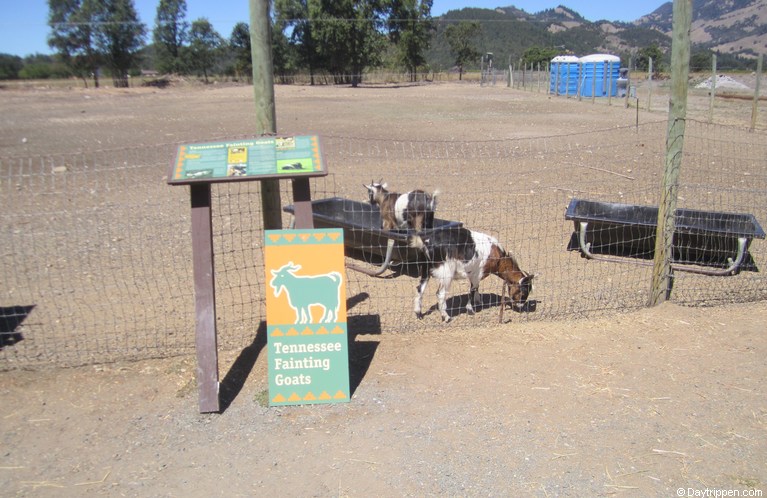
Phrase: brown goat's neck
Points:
(503, 265)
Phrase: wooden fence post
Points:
(649, 84)
(713, 89)
(755, 107)
(628, 85)
(539, 77)
(662, 277)
(609, 78)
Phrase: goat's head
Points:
(520, 283)
(520, 291)
(376, 191)
(520, 286)
(280, 276)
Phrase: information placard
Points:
(248, 159)
(307, 343)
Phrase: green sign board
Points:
(248, 159)
(308, 346)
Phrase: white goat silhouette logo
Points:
(305, 291)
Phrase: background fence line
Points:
(649, 92)
(96, 248)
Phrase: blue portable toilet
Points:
(563, 74)
(599, 75)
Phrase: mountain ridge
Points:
(736, 29)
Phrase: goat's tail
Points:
(433, 202)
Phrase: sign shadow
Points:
(238, 373)
(361, 353)
(10, 319)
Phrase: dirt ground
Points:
(668, 401)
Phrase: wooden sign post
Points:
(296, 158)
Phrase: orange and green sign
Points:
(308, 347)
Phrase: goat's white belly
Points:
(455, 269)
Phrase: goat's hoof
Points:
(469, 311)
(419, 316)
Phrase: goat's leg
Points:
(473, 298)
(419, 294)
(444, 288)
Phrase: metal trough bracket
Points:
(384, 266)
(733, 269)
(373, 273)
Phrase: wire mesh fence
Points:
(96, 247)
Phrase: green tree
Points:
(461, 37)
(119, 37)
(205, 45)
(701, 60)
(348, 36)
(539, 55)
(170, 36)
(239, 44)
(41, 66)
(295, 15)
(284, 56)
(645, 54)
(73, 36)
(410, 28)
(10, 65)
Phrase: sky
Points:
(24, 23)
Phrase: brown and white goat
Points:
(414, 209)
(460, 253)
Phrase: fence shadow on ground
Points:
(111, 276)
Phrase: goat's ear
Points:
(384, 185)
(528, 279)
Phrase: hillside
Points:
(734, 28)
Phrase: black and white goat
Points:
(460, 253)
(414, 209)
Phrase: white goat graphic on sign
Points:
(306, 291)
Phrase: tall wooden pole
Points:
(662, 277)
(263, 87)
